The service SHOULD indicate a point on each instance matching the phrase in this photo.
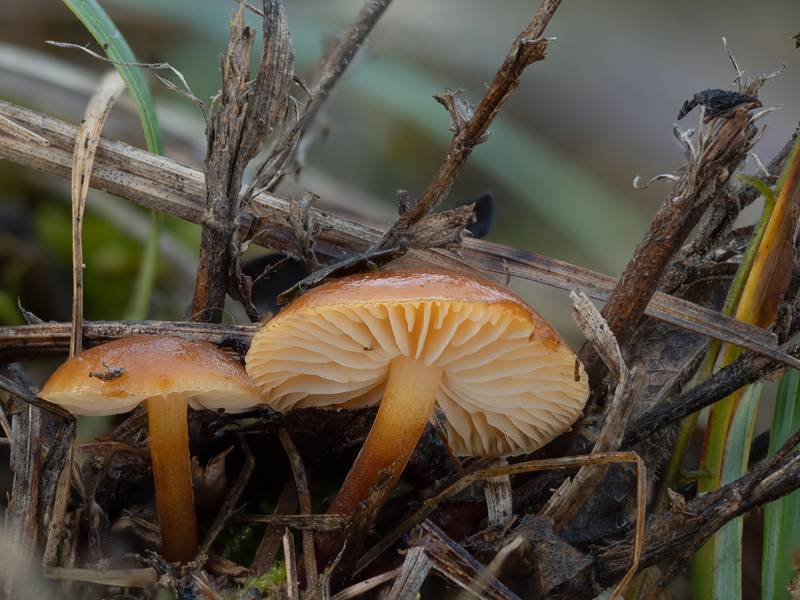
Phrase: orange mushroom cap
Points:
(154, 365)
(509, 381)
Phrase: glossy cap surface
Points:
(154, 365)
(510, 383)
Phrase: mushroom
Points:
(504, 379)
(167, 374)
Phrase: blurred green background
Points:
(560, 161)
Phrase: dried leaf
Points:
(460, 111)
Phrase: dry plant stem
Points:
(235, 134)
(21, 523)
(292, 590)
(677, 531)
(268, 549)
(304, 495)
(223, 178)
(721, 218)
(693, 193)
(59, 463)
(364, 586)
(453, 562)
(345, 50)
(162, 184)
(169, 451)
(410, 579)
(28, 342)
(86, 140)
(527, 48)
(773, 479)
(334, 67)
(402, 415)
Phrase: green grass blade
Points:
(117, 49)
(782, 517)
(728, 547)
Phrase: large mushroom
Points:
(505, 380)
(168, 374)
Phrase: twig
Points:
(409, 580)
(454, 563)
(164, 185)
(8, 126)
(738, 500)
(691, 523)
(247, 114)
(292, 589)
(302, 522)
(54, 489)
(300, 482)
(464, 481)
(136, 578)
(28, 342)
(471, 127)
(268, 550)
(361, 587)
(719, 154)
(332, 69)
(21, 523)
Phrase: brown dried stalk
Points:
(333, 67)
(247, 114)
(27, 342)
(470, 126)
(720, 154)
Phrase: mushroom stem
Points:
(402, 415)
(169, 453)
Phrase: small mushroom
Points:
(167, 374)
(505, 380)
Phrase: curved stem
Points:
(402, 415)
(169, 453)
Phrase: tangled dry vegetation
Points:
(551, 530)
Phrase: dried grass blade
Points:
(364, 586)
(12, 128)
(301, 483)
(415, 569)
(86, 140)
(139, 578)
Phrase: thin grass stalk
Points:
(782, 517)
